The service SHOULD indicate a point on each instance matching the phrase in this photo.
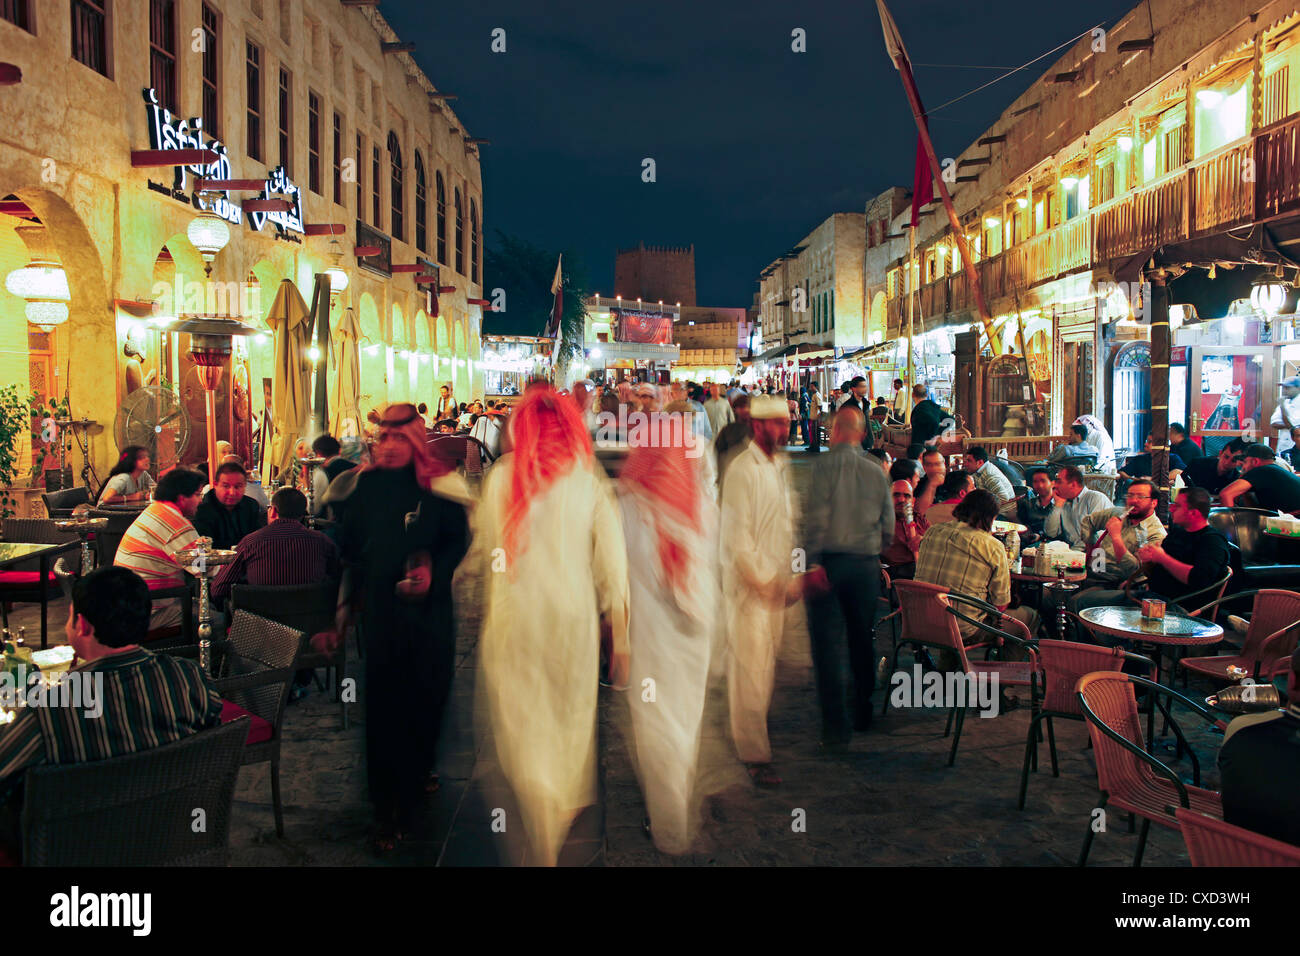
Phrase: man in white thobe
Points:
(757, 543)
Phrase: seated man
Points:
(1112, 558)
(1033, 510)
(1077, 447)
(1182, 446)
(906, 469)
(284, 552)
(1139, 466)
(900, 556)
(988, 477)
(1292, 454)
(328, 447)
(140, 700)
(1215, 474)
(935, 467)
(1074, 502)
(1274, 488)
(226, 514)
(964, 557)
(955, 487)
(150, 545)
(1258, 766)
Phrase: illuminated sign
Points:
(168, 133)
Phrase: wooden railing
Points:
(1223, 190)
(1148, 218)
(1277, 169)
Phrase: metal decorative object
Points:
(1060, 588)
(83, 526)
(205, 564)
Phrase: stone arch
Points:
(373, 355)
(877, 318)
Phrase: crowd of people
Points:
(678, 574)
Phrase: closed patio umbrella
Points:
(290, 322)
(345, 422)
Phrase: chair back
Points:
(926, 619)
(33, 531)
(1212, 842)
(1272, 611)
(138, 809)
(303, 607)
(1108, 700)
(106, 541)
(1064, 662)
(256, 645)
(59, 504)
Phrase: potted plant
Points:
(15, 421)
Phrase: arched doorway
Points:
(1131, 391)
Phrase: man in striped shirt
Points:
(284, 552)
(147, 700)
(150, 545)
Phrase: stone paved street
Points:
(890, 800)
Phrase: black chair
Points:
(308, 608)
(59, 504)
(1266, 562)
(106, 541)
(138, 809)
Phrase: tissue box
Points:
(1285, 524)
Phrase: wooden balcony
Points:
(1277, 169)
(1223, 189)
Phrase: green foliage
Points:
(525, 271)
(15, 419)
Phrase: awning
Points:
(639, 352)
(775, 353)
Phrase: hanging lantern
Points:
(1267, 294)
(44, 286)
(338, 278)
(209, 234)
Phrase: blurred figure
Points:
(670, 521)
(719, 410)
(1099, 439)
(757, 541)
(733, 438)
(549, 520)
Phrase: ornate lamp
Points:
(338, 278)
(42, 283)
(209, 234)
(211, 342)
(1268, 293)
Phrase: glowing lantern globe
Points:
(44, 287)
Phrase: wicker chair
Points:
(1063, 663)
(106, 541)
(255, 676)
(22, 583)
(308, 608)
(1128, 777)
(136, 810)
(59, 504)
(1214, 842)
(1271, 637)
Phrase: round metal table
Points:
(1172, 630)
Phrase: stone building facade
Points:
(316, 97)
(656, 273)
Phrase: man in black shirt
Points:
(1259, 767)
(1182, 446)
(1193, 556)
(927, 417)
(1139, 466)
(1213, 474)
(858, 399)
(226, 514)
(1273, 486)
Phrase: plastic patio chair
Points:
(137, 809)
(1270, 637)
(1128, 777)
(1063, 663)
(1214, 842)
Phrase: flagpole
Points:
(894, 44)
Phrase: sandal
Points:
(763, 775)
(386, 839)
(433, 783)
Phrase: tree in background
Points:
(524, 272)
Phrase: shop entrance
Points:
(1231, 393)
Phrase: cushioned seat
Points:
(259, 729)
(24, 579)
(1266, 562)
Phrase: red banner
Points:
(645, 327)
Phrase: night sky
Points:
(754, 144)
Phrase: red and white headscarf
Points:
(404, 419)
(669, 483)
(548, 437)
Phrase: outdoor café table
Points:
(15, 552)
(1173, 630)
(1053, 583)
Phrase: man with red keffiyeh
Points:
(548, 520)
(670, 518)
(403, 536)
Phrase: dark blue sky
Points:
(754, 144)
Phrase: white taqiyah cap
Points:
(769, 406)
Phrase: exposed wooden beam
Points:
(10, 73)
(968, 179)
(442, 289)
(406, 267)
(476, 141)
(324, 229)
(362, 251)
(425, 280)
(1131, 46)
(16, 207)
(1069, 76)
(990, 140)
(1022, 112)
(148, 158)
(975, 161)
(230, 185)
(443, 96)
(387, 48)
(360, 3)
(266, 205)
